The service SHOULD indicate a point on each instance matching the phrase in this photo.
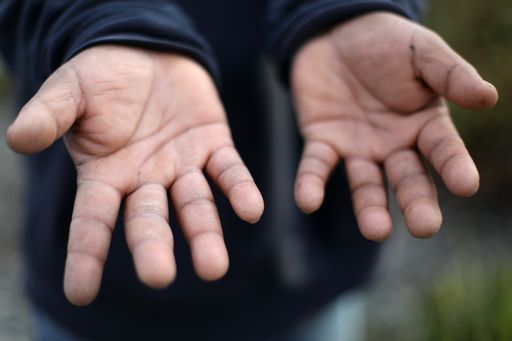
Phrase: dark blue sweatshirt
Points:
(259, 296)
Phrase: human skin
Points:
(143, 126)
(140, 126)
(371, 92)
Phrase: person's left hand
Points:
(370, 91)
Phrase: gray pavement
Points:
(14, 312)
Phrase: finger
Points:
(318, 161)
(415, 193)
(369, 198)
(197, 213)
(228, 171)
(149, 236)
(49, 114)
(442, 146)
(94, 217)
(449, 74)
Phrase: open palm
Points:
(139, 124)
(370, 92)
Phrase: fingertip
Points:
(30, 133)
(155, 264)
(15, 140)
(375, 224)
(423, 219)
(10, 137)
(461, 177)
(247, 202)
(210, 256)
(493, 96)
(485, 96)
(81, 280)
(76, 298)
(467, 189)
(157, 280)
(309, 197)
(309, 205)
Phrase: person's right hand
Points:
(137, 124)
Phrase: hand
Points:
(138, 123)
(370, 92)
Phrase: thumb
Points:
(448, 74)
(49, 114)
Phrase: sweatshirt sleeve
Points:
(290, 23)
(37, 36)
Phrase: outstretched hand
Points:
(371, 92)
(138, 124)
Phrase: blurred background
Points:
(458, 285)
(455, 286)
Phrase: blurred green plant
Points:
(481, 31)
(468, 303)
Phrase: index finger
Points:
(232, 176)
(442, 146)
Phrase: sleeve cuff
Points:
(155, 25)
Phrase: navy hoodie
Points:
(283, 269)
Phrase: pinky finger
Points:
(318, 161)
(231, 175)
